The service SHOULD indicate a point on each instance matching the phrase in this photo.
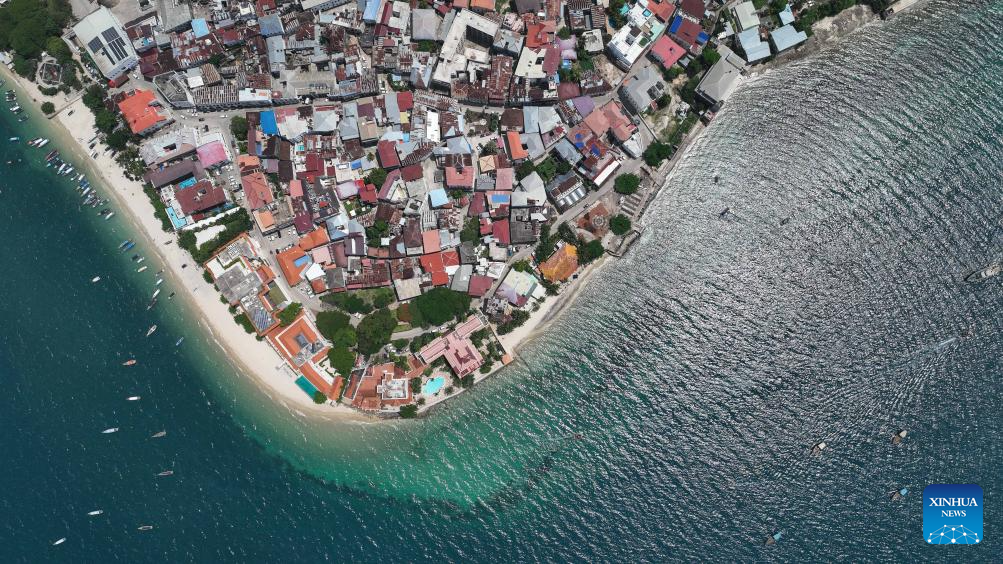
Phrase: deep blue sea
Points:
(865, 183)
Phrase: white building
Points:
(101, 35)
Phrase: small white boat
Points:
(43, 143)
(59, 542)
(166, 473)
(141, 269)
(95, 512)
(151, 330)
(159, 434)
(109, 215)
(145, 527)
(179, 341)
(141, 259)
(109, 430)
(156, 293)
(160, 281)
(14, 139)
(132, 398)
(818, 448)
(96, 279)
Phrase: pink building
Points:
(461, 354)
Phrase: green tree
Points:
(439, 305)
(342, 359)
(590, 251)
(620, 224)
(564, 33)
(238, 126)
(627, 183)
(319, 397)
(524, 169)
(57, 49)
(415, 384)
(376, 177)
(710, 56)
(330, 322)
(48, 108)
(290, 313)
(409, 411)
(656, 153)
(374, 331)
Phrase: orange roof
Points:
(138, 112)
(561, 265)
(430, 241)
(486, 5)
(265, 219)
(515, 147)
(287, 262)
(313, 239)
(245, 161)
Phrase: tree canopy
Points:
(620, 224)
(438, 306)
(626, 183)
(290, 313)
(342, 359)
(374, 331)
(26, 26)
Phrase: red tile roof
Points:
(499, 230)
(257, 190)
(387, 152)
(515, 147)
(138, 111)
(667, 51)
(200, 197)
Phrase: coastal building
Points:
(630, 41)
(666, 52)
(460, 353)
(745, 15)
(722, 78)
(786, 37)
(101, 35)
(562, 264)
(140, 108)
(381, 387)
(305, 352)
(752, 45)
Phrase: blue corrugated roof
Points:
(438, 197)
(268, 123)
(200, 27)
(372, 10)
(676, 22)
(703, 37)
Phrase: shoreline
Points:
(241, 350)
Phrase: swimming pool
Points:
(306, 386)
(433, 385)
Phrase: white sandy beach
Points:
(549, 310)
(251, 357)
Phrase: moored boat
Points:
(818, 448)
(95, 512)
(159, 434)
(129, 362)
(987, 272)
(151, 330)
(142, 268)
(109, 430)
(96, 279)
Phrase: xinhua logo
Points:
(952, 514)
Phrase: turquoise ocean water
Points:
(864, 184)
